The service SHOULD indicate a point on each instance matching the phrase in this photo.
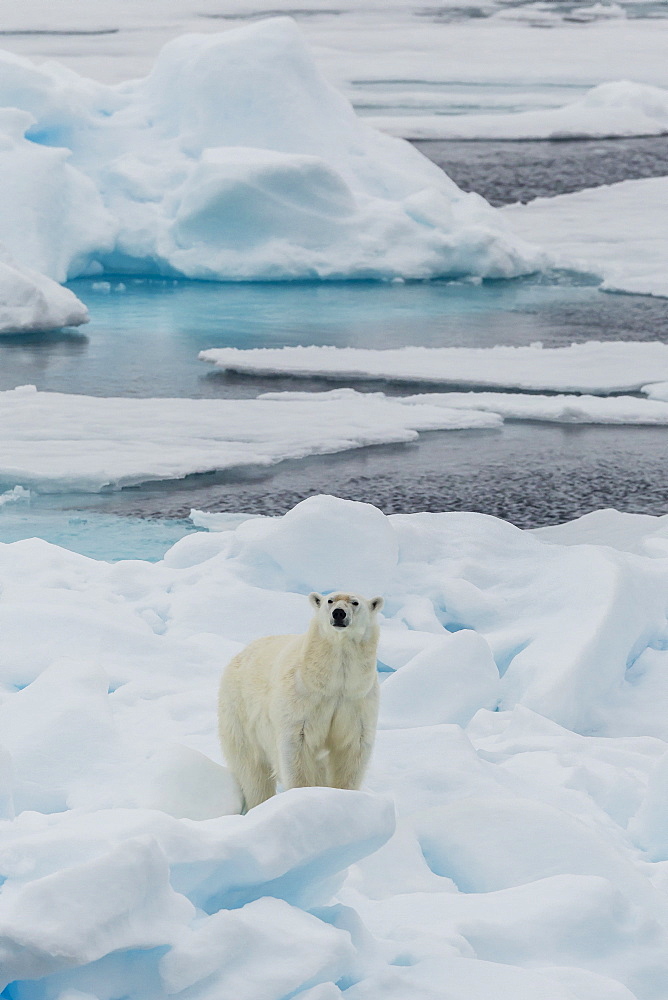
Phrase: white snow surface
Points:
(57, 443)
(593, 366)
(618, 232)
(509, 840)
(29, 301)
(233, 159)
(610, 110)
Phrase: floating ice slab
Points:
(510, 837)
(619, 232)
(31, 302)
(598, 367)
(558, 409)
(58, 442)
(233, 159)
(611, 110)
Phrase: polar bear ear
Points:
(376, 603)
(315, 599)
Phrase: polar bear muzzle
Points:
(339, 618)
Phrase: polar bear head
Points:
(348, 614)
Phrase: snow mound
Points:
(618, 232)
(510, 839)
(233, 159)
(31, 302)
(594, 366)
(609, 111)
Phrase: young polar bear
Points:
(302, 709)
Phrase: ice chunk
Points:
(30, 302)
(323, 544)
(447, 682)
(122, 900)
(266, 948)
(488, 843)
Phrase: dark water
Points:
(505, 172)
(530, 474)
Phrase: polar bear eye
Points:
(355, 603)
(330, 601)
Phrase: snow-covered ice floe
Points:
(30, 302)
(55, 443)
(618, 232)
(510, 839)
(610, 110)
(593, 366)
(233, 159)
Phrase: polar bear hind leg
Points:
(247, 762)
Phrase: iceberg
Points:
(233, 159)
(510, 837)
(618, 232)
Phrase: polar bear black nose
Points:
(338, 614)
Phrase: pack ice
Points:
(510, 840)
(233, 159)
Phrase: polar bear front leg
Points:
(351, 741)
(300, 765)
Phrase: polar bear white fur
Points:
(302, 709)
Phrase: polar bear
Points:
(302, 709)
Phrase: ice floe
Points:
(611, 110)
(30, 302)
(510, 836)
(618, 232)
(593, 366)
(233, 159)
(59, 442)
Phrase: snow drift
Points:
(233, 159)
(510, 840)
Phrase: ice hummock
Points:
(233, 159)
(510, 837)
